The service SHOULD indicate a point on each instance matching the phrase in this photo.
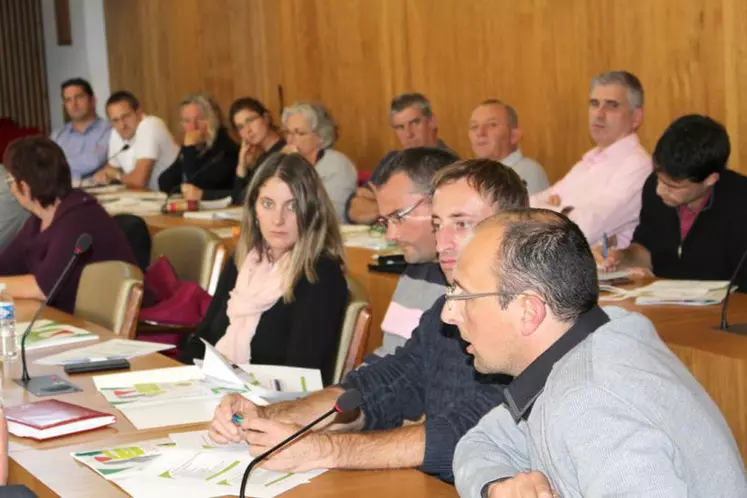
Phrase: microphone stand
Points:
(740, 328)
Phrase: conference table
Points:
(48, 469)
(716, 358)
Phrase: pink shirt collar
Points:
(619, 148)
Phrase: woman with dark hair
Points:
(205, 166)
(290, 294)
(39, 177)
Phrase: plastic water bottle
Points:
(8, 340)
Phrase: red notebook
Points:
(53, 418)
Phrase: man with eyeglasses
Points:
(12, 215)
(418, 402)
(413, 121)
(598, 404)
(141, 147)
(693, 222)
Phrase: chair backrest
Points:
(137, 234)
(355, 330)
(109, 295)
(195, 254)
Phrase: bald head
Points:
(543, 252)
(494, 130)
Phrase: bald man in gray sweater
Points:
(12, 215)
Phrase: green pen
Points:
(237, 418)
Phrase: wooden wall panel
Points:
(351, 56)
(355, 55)
(23, 77)
(162, 50)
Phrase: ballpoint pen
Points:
(605, 246)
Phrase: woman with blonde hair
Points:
(290, 294)
(205, 167)
(311, 131)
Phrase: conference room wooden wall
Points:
(354, 55)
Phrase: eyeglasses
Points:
(397, 217)
(456, 293)
(297, 133)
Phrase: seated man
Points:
(141, 147)
(495, 134)
(602, 193)
(85, 138)
(418, 402)
(599, 406)
(402, 188)
(415, 125)
(694, 214)
(40, 181)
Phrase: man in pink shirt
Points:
(602, 192)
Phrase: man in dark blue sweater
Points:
(693, 222)
(417, 402)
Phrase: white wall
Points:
(85, 58)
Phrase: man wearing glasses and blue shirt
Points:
(417, 402)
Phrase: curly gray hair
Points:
(318, 118)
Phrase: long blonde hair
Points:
(318, 228)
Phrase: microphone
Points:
(51, 384)
(740, 328)
(349, 400)
(124, 148)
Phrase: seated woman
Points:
(206, 164)
(311, 132)
(39, 177)
(290, 295)
(259, 138)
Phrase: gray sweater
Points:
(340, 179)
(12, 215)
(619, 415)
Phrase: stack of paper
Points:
(606, 276)
(164, 397)
(362, 236)
(187, 465)
(677, 292)
(229, 213)
(140, 203)
(48, 333)
(111, 349)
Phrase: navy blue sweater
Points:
(430, 374)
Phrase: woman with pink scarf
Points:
(290, 294)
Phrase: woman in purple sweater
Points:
(39, 177)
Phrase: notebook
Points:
(53, 418)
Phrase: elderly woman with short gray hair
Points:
(311, 131)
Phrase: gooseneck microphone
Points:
(349, 400)
(739, 328)
(82, 245)
(124, 148)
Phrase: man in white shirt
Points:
(140, 148)
(495, 134)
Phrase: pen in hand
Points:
(605, 246)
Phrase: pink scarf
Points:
(258, 287)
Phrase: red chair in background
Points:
(9, 131)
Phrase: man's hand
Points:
(105, 175)
(194, 137)
(553, 200)
(310, 451)
(290, 149)
(523, 485)
(611, 263)
(191, 192)
(365, 193)
(222, 429)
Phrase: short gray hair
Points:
(513, 116)
(405, 100)
(623, 78)
(210, 111)
(318, 118)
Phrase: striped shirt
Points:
(418, 288)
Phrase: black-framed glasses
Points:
(396, 218)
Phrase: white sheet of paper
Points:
(290, 379)
(200, 441)
(228, 213)
(48, 333)
(215, 365)
(613, 275)
(113, 348)
(172, 413)
(217, 203)
(171, 374)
